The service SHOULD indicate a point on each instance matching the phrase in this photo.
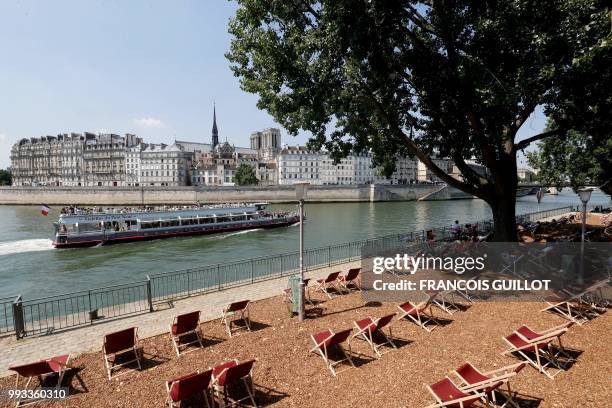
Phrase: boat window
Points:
(89, 227)
(149, 224)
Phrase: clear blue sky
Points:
(149, 67)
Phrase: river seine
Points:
(30, 266)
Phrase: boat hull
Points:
(132, 236)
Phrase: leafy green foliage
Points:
(455, 79)
(5, 178)
(245, 175)
(577, 159)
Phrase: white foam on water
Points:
(231, 234)
(25, 245)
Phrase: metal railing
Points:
(52, 313)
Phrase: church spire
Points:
(215, 132)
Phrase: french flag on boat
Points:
(45, 209)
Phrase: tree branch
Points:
(526, 142)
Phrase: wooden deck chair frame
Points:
(230, 316)
(247, 380)
(172, 404)
(321, 349)
(110, 365)
(64, 367)
(324, 284)
(368, 332)
(533, 345)
(503, 374)
(354, 283)
(287, 293)
(455, 402)
(569, 310)
(422, 319)
(176, 338)
(439, 300)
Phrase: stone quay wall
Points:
(190, 195)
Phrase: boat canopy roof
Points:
(154, 215)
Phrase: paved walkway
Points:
(89, 338)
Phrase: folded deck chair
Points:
(489, 382)
(543, 354)
(230, 373)
(236, 311)
(288, 295)
(367, 328)
(418, 314)
(439, 299)
(120, 343)
(350, 280)
(41, 369)
(184, 325)
(569, 307)
(447, 394)
(326, 340)
(188, 386)
(325, 284)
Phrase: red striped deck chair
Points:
(184, 325)
(188, 386)
(41, 370)
(537, 349)
(350, 280)
(327, 340)
(234, 312)
(118, 344)
(368, 328)
(447, 394)
(418, 314)
(489, 382)
(231, 373)
(331, 282)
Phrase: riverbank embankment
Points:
(189, 195)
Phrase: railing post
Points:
(18, 318)
(328, 256)
(253, 272)
(149, 294)
(188, 284)
(219, 276)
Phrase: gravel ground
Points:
(287, 375)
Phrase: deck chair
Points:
(326, 340)
(325, 284)
(230, 373)
(288, 295)
(565, 307)
(489, 382)
(538, 351)
(188, 386)
(350, 280)
(438, 299)
(418, 314)
(447, 394)
(367, 328)
(184, 325)
(40, 369)
(236, 311)
(120, 343)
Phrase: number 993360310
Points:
(43, 393)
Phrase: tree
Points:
(435, 78)
(577, 159)
(5, 178)
(245, 175)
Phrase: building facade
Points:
(165, 165)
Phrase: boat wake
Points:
(231, 234)
(25, 245)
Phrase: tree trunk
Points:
(504, 219)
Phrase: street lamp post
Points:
(585, 196)
(301, 190)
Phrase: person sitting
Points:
(456, 229)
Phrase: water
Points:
(30, 266)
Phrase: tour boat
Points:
(90, 227)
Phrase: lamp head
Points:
(585, 194)
(301, 190)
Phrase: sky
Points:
(153, 68)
